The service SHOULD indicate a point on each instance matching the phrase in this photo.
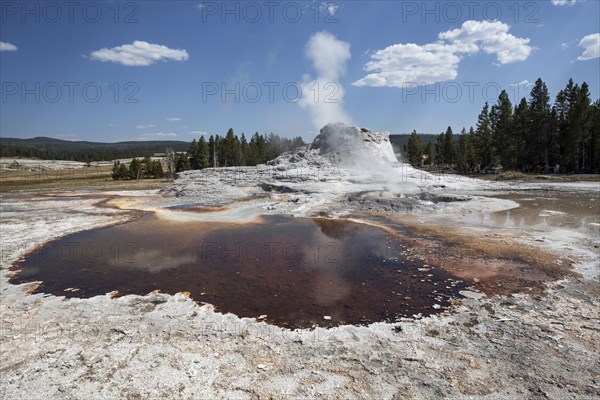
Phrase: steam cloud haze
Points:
(323, 97)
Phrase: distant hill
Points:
(47, 148)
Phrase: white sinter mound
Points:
(352, 144)
(345, 168)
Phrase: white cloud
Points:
(173, 119)
(329, 8)
(564, 46)
(563, 2)
(399, 64)
(323, 97)
(591, 44)
(5, 46)
(139, 53)
(402, 64)
(332, 8)
(524, 82)
(491, 37)
(198, 133)
(144, 126)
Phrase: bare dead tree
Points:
(170, 164)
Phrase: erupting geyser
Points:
(353, 144)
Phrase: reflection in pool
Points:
(297, 271)
(580, 212)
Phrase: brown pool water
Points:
(299, 272)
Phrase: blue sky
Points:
(157, 70)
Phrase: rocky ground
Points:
(524, 345)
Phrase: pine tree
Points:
(273, 146)
(244, 150)
(229, 151)
(147, 167)
(221, 144)
(123, 171)
(135, 169)
(252, 152)
(485, 148)
(538, 139)
(461, 152)
(203, 154)
(236, 158)
(553, 141)
(561, 113)
(212, 152)
(414, 151)
(449, 147)
(568, 135)
(157, 169)
(502, 131)
(297, 142)
(193, 153)
(582, 122)
(471, 156)
(595, 137)
(115, 170)
(258, 145)
(182, 162)
(440, 155)
(430, 152)
(574, 133)
(262, 149)
(520, 132)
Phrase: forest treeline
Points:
(147, 168)
(230, 151)
(532, 136)
(225, 151)
(218, 151)
(56, 149)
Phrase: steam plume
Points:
(323, 97)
